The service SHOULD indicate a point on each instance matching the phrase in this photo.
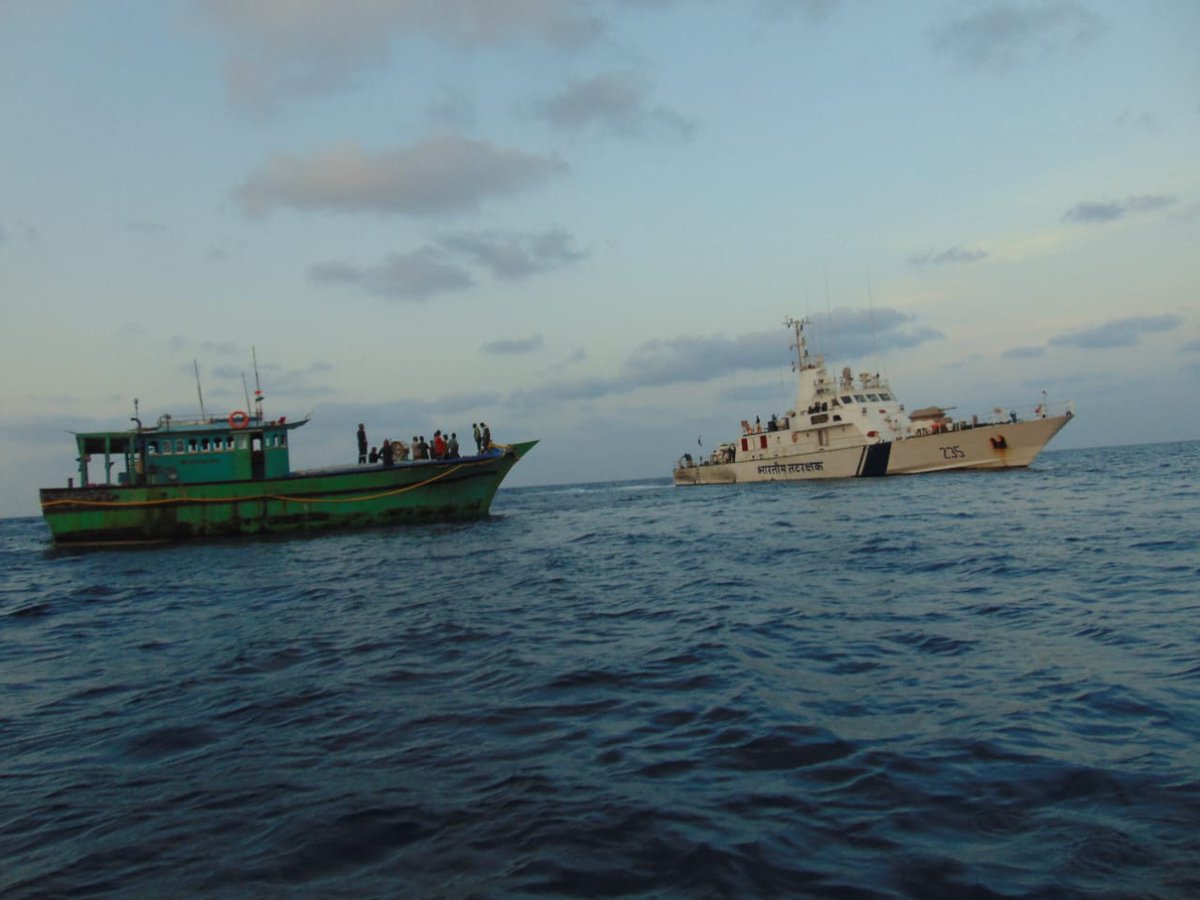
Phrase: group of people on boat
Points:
(775, 423)
(441, 447)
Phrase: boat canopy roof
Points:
(125, 441)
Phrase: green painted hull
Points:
(342, 498)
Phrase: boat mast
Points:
(245, 390)
(258, 395)
(800, 345)
(199, 393)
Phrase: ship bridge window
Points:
(847, 399)
(886, 397)
(860, 398)
(874, 398)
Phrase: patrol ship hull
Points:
(994, 446)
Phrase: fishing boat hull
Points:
(775, 457)
(337, 498)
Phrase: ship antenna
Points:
(137, 415)
(199, 393)
(245, 390)
(800, 346)
(258, 395)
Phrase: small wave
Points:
(168, 741)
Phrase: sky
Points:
(586, 222)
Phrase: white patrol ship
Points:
(841, 428)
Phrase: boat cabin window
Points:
(874, 398)
(886, 397)
(203, 445)
(860, 398)
(152, 447)
(847, 399)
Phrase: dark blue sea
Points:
(957, 685)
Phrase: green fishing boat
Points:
(178, 480)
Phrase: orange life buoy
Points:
(238, 419)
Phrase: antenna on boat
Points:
(199, 393)
(137, 415)
(245, 390)
(258, 395)
(801, 346)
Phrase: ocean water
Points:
(959, 685)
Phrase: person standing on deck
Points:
(362, 442)
(478, 439)
(486, 442)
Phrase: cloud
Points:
(851, 334)
(568, 392)
(952, 256)
(417, 275)
(1143, 121)
(440, 174)
(25, 231)
(451, 109)
(1001, 35)
(445, 265)
(285, 51)
(1024, 353)
(1117, 333)
(615, 102)
(702, 359)
(1095, 211)
(813, 10)
(178, 343)
(513, 346)
(514, 255)
(142, 226)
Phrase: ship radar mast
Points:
(801, 345)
